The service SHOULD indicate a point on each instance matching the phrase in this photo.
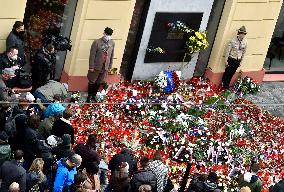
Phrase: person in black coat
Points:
(63, 125)
(16, 39)
(42, 64)
(10, 59)
(278, 187)
(124, 156)
(12, 171)
(88, 151)
(197, 183)
(63, 150)
(32, 140)
(143, 177)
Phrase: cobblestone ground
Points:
(270, 97)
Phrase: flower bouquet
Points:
(179, 27)
(167, 81)
(157, 50)
(246, 86)
(196, 42)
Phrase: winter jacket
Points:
(45, 127)
(41, 67)
(34, 178)
(61, 127)
(161, 172)
(196, 185)
(250, 180)
(53, 109)
(62, 151)
(5, 62)
(31, 144)
(64, 176)
(11, 172)
(5, 152)
(124, 156)
(143, 177)
(5, 92)
(101, 55)
(52, 88)
(92, 183)
(87, 153)
(119, 181)
(15, 40)
(278, 187)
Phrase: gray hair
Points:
(76, 159)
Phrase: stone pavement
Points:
(270, 96)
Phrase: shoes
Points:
(92, 92)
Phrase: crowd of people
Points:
(38, 151)
(21, 73)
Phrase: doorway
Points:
(274, 62)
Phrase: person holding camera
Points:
(42, 65)
(100, 62)
(10, 59)
(6, 93)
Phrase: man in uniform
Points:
(234, 56)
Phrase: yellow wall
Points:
(11, 11)
(91, 18)
(259, 17)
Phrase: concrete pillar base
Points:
(216, 78)
(80, 83)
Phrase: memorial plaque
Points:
(173, 42)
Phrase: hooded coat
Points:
(124, 156)
(15, 40)
(12, 171)
(143, 177)
(64, 176)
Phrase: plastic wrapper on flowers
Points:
(167, 81)
(245, 86)
(186, 128)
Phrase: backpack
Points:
(32, 180)
(10, 125)
(5, 153)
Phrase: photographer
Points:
(43, 65)
(10, 59)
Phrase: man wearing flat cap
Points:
(100, 62)
(234, 56)
(6, 94)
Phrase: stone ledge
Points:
(80, 83)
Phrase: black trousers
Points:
(230, 70)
